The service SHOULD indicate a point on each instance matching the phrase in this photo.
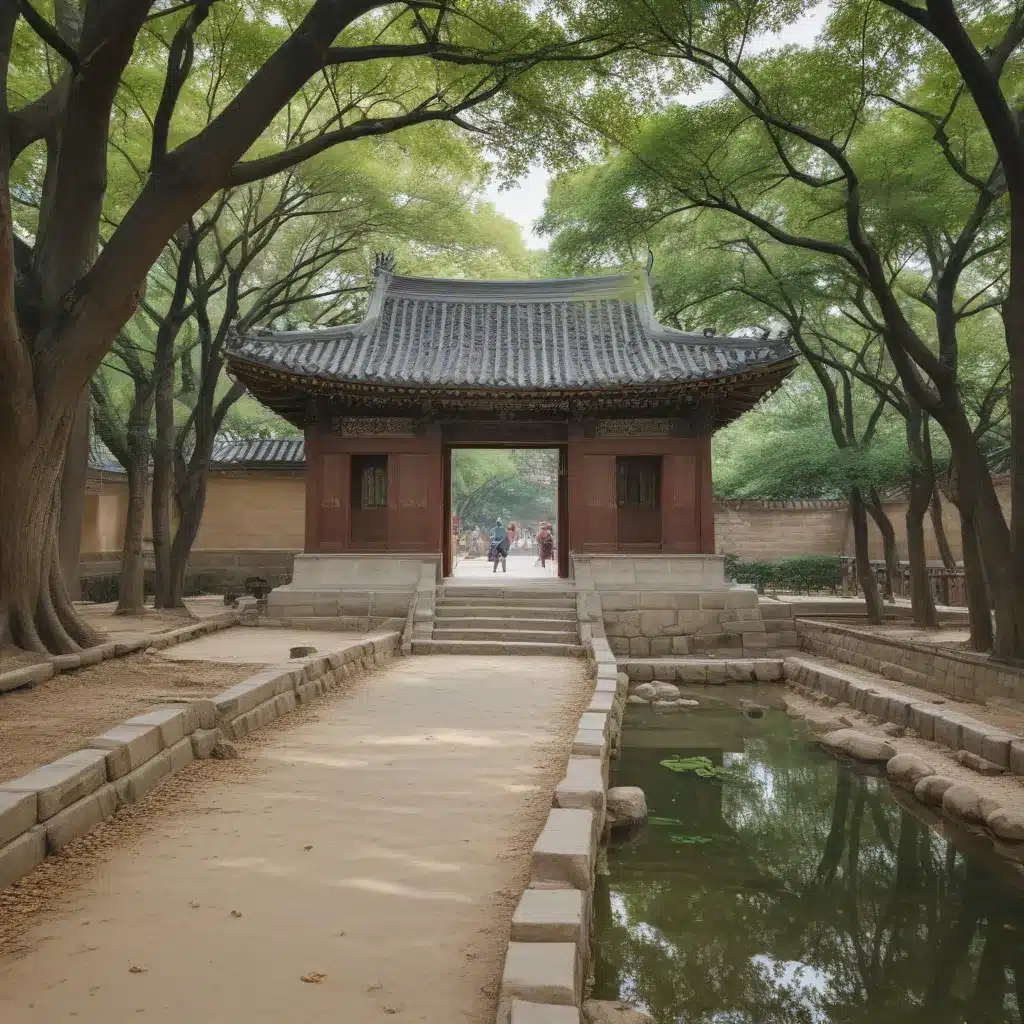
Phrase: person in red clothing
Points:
(545, 543)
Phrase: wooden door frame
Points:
(561, 501)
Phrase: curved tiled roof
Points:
(275, 451)
(577, 334)
(287, 452)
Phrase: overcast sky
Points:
(525, 202)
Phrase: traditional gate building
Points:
(580, 365)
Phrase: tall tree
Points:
(364, 69)
(785, 152)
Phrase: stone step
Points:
(506, 622)
(495, 647)
(497, 611)
(508, 601)
(508, 635)
(505, 588)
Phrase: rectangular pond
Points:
(778, 885)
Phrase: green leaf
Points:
(690, 840)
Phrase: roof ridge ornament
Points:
(383, 263)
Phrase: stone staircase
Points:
(503, 618)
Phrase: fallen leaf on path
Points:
(236, 913)
(136, 970)
(308, 848)
(193, 904)
(314, 977)
(374, 988)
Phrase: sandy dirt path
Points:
(379, 837)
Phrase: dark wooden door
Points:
(334, 501)
(599, 530)
(681, 510)
(408, 493)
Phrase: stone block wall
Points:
(659, 623)
(940, 670)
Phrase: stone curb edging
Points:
(41, 812)
(548, 955)
(942, 724)
(955, 673)
(30, 675)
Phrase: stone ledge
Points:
(565, 849)
(551, 915)
(62, 782)
(542, 972)
(542, 1013)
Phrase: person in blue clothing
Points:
(499, 546)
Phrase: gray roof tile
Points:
(570, 334)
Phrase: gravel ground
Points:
(54, 718)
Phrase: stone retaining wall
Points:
(43, 811)
(29, 675)
(938, 669)
(658, 623)
(941, 723)
(548, 955)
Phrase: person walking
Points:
(499, 546)
(545, 544)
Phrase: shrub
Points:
(802, 573)
(100, 589)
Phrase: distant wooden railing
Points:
(948, 585)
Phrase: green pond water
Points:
(795, 889)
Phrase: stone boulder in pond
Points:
(645, 691)
(665, 691)
(907, 770)
(932, 789)
(858, 745)
(602, 1011)
(1007, 823)
(626, 805)
(962, 801)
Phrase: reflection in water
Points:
(794, 891)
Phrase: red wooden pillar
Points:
(707, 507)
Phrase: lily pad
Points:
(655, 820)
(690, 840)
(701, 766)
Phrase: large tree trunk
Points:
(889, 550)
(974, 483)
(922, 602)
(72, 496)
(36, 613)
(865, 573)
(979, 607)
(163, 475)
(191, 503)
(131, 591)
(939, 529)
